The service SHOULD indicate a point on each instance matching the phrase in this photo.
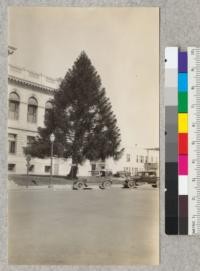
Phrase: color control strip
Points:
(182, 143)
(171, 140)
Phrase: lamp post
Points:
(52, 139)
(28, 159)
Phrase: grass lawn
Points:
(39, 179)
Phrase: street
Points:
(109, 227)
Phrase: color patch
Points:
(182, 164)
(182, 122)
(171, 96)
(182, 61)
(171, 77)
(171, 58)
(183, 206)
(183, 214)
(182, 82)
(183, 185)
(183, 143)
(182, 102)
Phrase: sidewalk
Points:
(11, 185)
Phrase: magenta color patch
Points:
(182, 165)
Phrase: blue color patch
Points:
(182, 81)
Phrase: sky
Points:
(123, 45)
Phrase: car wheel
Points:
(125, 184)
(131, 184)
(106, 184)
(85, 183)
(74, 186)
(79, 185)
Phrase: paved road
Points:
(117, 226)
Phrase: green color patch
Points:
(182, 102)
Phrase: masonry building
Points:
(29, 97)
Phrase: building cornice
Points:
(24, 82)
(24, 129)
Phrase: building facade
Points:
(29, 97)
(135, 159)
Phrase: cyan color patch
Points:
(182, 81)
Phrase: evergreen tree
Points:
(81, 119)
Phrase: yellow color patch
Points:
(182, 122)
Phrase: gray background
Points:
(179, 26)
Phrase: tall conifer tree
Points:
(81, 119)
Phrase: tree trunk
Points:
(73, 172)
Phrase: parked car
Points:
(102, 177)
(149, 177)
(122, 174)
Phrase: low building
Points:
(135, 159)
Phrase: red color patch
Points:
(183, 143)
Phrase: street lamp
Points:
(28, 160)
(52, 139)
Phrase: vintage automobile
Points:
(142, 177)
(122, 174)
(104, 179)
(101, 177)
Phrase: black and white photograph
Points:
(83, 135)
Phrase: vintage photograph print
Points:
(83, 136)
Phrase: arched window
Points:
(48, 108)
(14, 102)
(32, 110)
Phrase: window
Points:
(151, 159)
(93, 166)
(32, 110)
(146, 159)
(30, 140)
(48, 108)
(12, 143)
(13, 106)
(137, 159)
(141, 159)
(128, 158)
(47, 168)
(11, 167)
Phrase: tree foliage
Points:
(81, 119)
